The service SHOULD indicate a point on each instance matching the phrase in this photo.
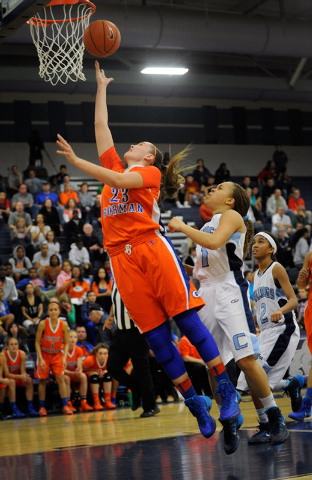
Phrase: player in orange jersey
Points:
(151, 281)
(95, 366)
(74, 374)
(14, 366)
(8, 385)
(51, 334)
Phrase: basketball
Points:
(101, 38)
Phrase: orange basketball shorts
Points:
(19, 383)
(153, 284)
(53, 362)
(2, 386)
(308, 324)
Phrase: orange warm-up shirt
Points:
(95, 288)
(14, 366)
(129, 213)
(72, 357)
(52, 340)
(186, 348)
(77, 290)
(91, 362)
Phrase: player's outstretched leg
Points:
(278, 429)
(293, 390)
(199, 406)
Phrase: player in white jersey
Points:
(225, 241)
(279, 332)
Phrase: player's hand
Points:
(108, 323)
(78, 371)
(101, 373)
(42, 364)
(64, 362)
(175, 224)
(100, 75)
(276, 316)
(67, 150)
(303, 274)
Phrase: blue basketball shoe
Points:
(32, 412)
(304, 411)
(262, 435)
(230, 399)
(16, 413)
(199, 406)
(230, 431)
(293, 390)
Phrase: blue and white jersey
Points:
(227, 258)
(269, 298)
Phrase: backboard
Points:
(15, 13)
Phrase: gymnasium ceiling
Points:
(234, 49)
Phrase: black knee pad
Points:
(107, 377)
(94, 379)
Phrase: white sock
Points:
(263, 418)
(281, 385)
(268, 402)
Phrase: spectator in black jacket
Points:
(95, 212)
(73, 229)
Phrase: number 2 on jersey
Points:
(263, 319)
(204, 257)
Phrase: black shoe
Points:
(136, 401)
(278, 429)
(293, 390)
(262, 435)
(231, 437)
(150, 413)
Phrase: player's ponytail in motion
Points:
(241, 206)
(172, 177)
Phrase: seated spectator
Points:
(14, 181)
(96, 212)
(283, 182)
(41, 259)
(74, 376)
(201, 173)
(249, 277)
(205, 212)
(187, 243)
(284, 253)
(222, 174)
(295, 200)
(91, 298)
(192, 191)
(97, 317)
(276, 200)
(95, 366)
(280, 159)
(246, 183)
(300, 246)
(31, 306)
(55, 187)
(46, 193)
(269, 171)
(67, 194)
(33, 183)
(77, 289)
(86, 202)
(6, 317)
(32, 278)
(19, 212)
(5, 210)
(66, 179)
(190, 259)
(62, 172)
(281, 220)
(74, 228)
(267, 191)
(69, 209)
(65, 274)
(8, 286)
(68, 311)
(26, 199)
(51, 216)
(301, 218)
(52, 271)
(54, 246)
(254, 215)
(256, 200)
(302, 297)
(195, 367)
(93, 244)
(17, 331)
(82, 341)
(38, 232)
(102, 287)
(79, 255)
(20, 263)
(21, 236)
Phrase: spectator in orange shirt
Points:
(191, 190)
(195, 366)
(67, 194)
(295, 201)
(205, 212)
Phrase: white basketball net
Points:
(59, 43)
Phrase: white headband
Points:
(269, 239)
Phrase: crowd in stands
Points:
(40, 213)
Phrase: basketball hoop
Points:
(58, 37)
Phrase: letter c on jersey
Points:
(236, 340)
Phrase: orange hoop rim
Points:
(34, 21)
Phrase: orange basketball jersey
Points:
(52, 339)
(14, 366)
(138, 204)
(92, 362)
(72, 357)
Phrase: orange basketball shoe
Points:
(42, 412)
(71, 406)
(85, 407)
(66, 410)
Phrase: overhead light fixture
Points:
(164, 71)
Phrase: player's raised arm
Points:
(103, 134)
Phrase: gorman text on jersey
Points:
(122, 208)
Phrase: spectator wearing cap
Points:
(129, 343)
(95, 326)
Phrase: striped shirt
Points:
(121, 316)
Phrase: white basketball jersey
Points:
(227, 258)
(269, 298)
